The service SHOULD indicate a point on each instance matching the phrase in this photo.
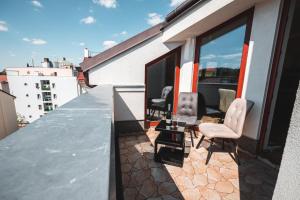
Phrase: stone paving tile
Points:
(221, 179)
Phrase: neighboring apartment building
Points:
(8, 117)
(40, 90)
(243, 45)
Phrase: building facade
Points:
(234, 44)
(41, 90)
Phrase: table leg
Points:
(155, 151)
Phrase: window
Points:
(55, 106)
(37, 86)
(46, 96)
(25, 84)
(219, 57)
(54, 96)
(27, 95)
(38, 96)
(28, 106)
(53, 85)
(41, 115)
(30, 116)
(45, 84)
(48, 107)
(40, 107)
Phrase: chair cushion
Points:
(189, 120)
(212, 130)
(158, 101)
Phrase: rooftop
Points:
(91, 62)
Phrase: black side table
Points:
(174, 140)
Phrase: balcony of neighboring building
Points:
(45, 85)
(46, 96)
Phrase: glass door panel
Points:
(220, 55)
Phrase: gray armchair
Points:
(160, 104)
(187, 109)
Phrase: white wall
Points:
(8, 116)
(129, 103)
(288, 182)
(262, 42)
(129, 69)
(65, 89)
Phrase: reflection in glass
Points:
(219, 64)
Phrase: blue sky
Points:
(224, 50)
(31, 29)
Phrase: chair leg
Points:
(237, 159)
(192, 137)
(198, 145)
(209, 151)
(223, 146)
(193, 128)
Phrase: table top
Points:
(163, 126)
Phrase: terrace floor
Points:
(222, 178)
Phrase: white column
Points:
(187, 65)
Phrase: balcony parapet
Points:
(67, 154)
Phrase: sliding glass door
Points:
(219, 62)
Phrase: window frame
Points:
(248, 14)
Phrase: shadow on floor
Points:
(142, 177)
(221, 178)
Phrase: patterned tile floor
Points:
(222, 178)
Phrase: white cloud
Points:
(26, 39)
(37, 4)
(88, 20)
(81, 44)
(109, 44)
(106, 3)
(208, 57)
(11, 54)
(224, 56)
(231, 56)
(175, 3)
(3, 26)
(154, 18)
(35, 41)
(123, 33)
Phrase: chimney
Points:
(86, 53)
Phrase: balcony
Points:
(73, 153)
(222, 178)
(68, 154)
(45, 87)
(48, 108)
